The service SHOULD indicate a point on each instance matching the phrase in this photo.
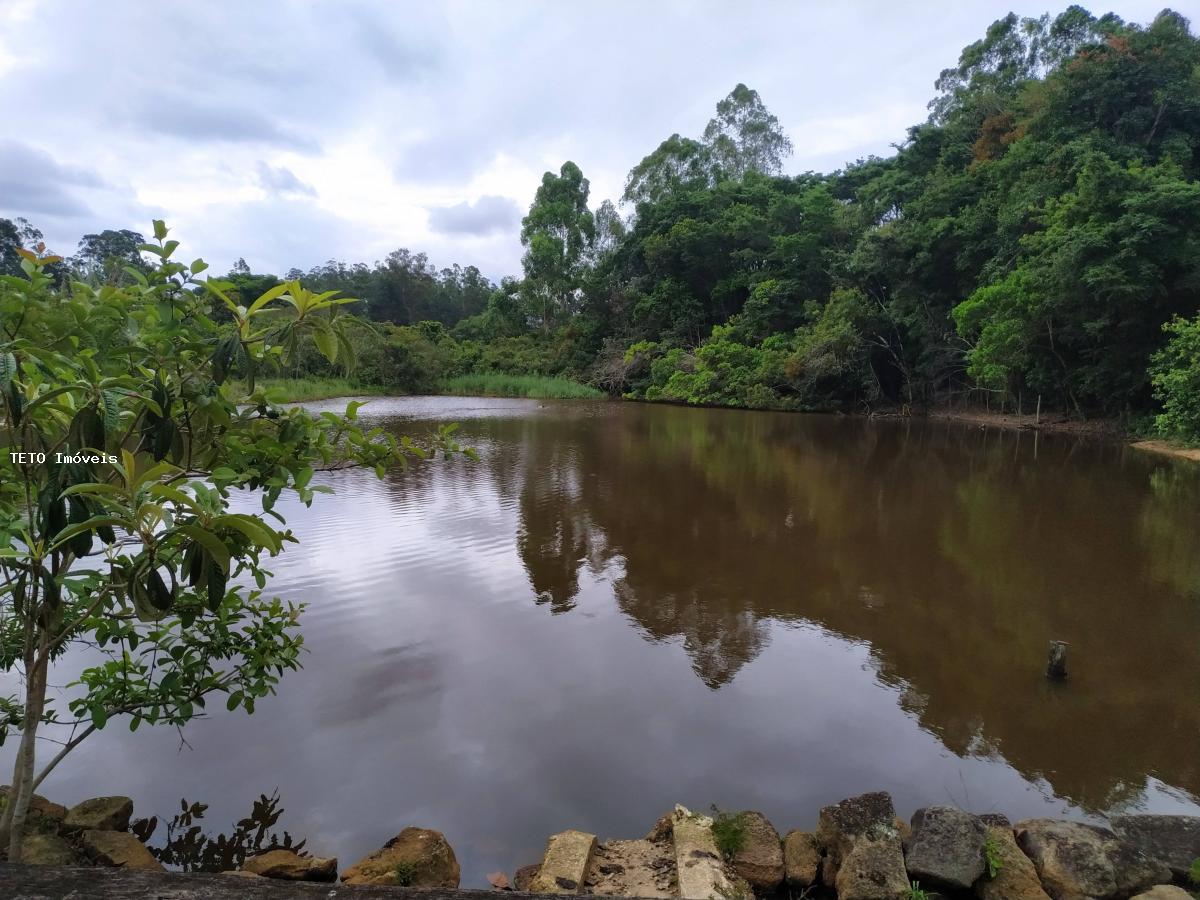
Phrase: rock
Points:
(872, 870)
(39, 806)
(863, 856)
(946, 848)
(905, 832)
(416, 857)
(565, 863)
(523, 877)
(101, 813)
(288, 865)
(642, 868)
(760, 859)
(697, 863)
(1074, 860)
(39, 849)
(119, 848)
(1017, 878)
(1164, 892)
(241, 873)
(801, 859)
(1173, 839)
(499, 881)
(661, 830)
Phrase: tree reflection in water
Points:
(189, 849)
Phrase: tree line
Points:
(1036, 236)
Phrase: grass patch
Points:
(991, 850)
(406, 873)
(729, 832)
(299, 390)
(496, 384)
(915, 892)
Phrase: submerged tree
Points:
(123, 444)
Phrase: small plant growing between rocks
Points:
(991, 850)
(405, 873)
(729, 831)
(916, 892)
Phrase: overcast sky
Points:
(289, 133)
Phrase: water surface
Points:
(623, 606)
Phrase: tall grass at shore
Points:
(496, 384)
(300, 390)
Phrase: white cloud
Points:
(291, 133)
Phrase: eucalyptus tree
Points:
(124, 444)
(556, 234)
(744, 136)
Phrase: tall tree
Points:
(745, 136)
(556, 233)
(104, 256)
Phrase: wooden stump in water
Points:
(1056, 664)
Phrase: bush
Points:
(1175, 375)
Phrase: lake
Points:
(624, 606)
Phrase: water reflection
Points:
(953, 552)
(621, 607)
(186, 847)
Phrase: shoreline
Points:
(1105, 429)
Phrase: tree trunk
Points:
(22, 790)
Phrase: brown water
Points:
(622, 606)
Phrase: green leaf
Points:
(213, 544)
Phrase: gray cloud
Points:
(449, 100)
(33, 183)
(198, 119)
(282, 180)
(487, 215)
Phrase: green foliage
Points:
(556, 233)
(729, 832)
(1194, 872)
(497, 384)
(916, 892)
(991, 852)
(125, 442)
(405, 873)
(1175, 374)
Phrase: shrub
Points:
(1175, 375)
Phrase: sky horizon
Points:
(289, 134)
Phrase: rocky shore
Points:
(859, 850)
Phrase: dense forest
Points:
(1037, 236)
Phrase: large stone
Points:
(698, 865)
(102, 813)
(863, 856)
(872, 870)
(291, 866)
(642, 868)
(801, 859)
(41, 849)
(946, 848)
(1016, 878)
(760, 859)
(565, 863)
(524, 876)
(1164, 892)
(1076, 861)
(416, 857)
(39, 806)
(119, 848)
(1173, 839)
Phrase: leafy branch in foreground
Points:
(123, 445)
